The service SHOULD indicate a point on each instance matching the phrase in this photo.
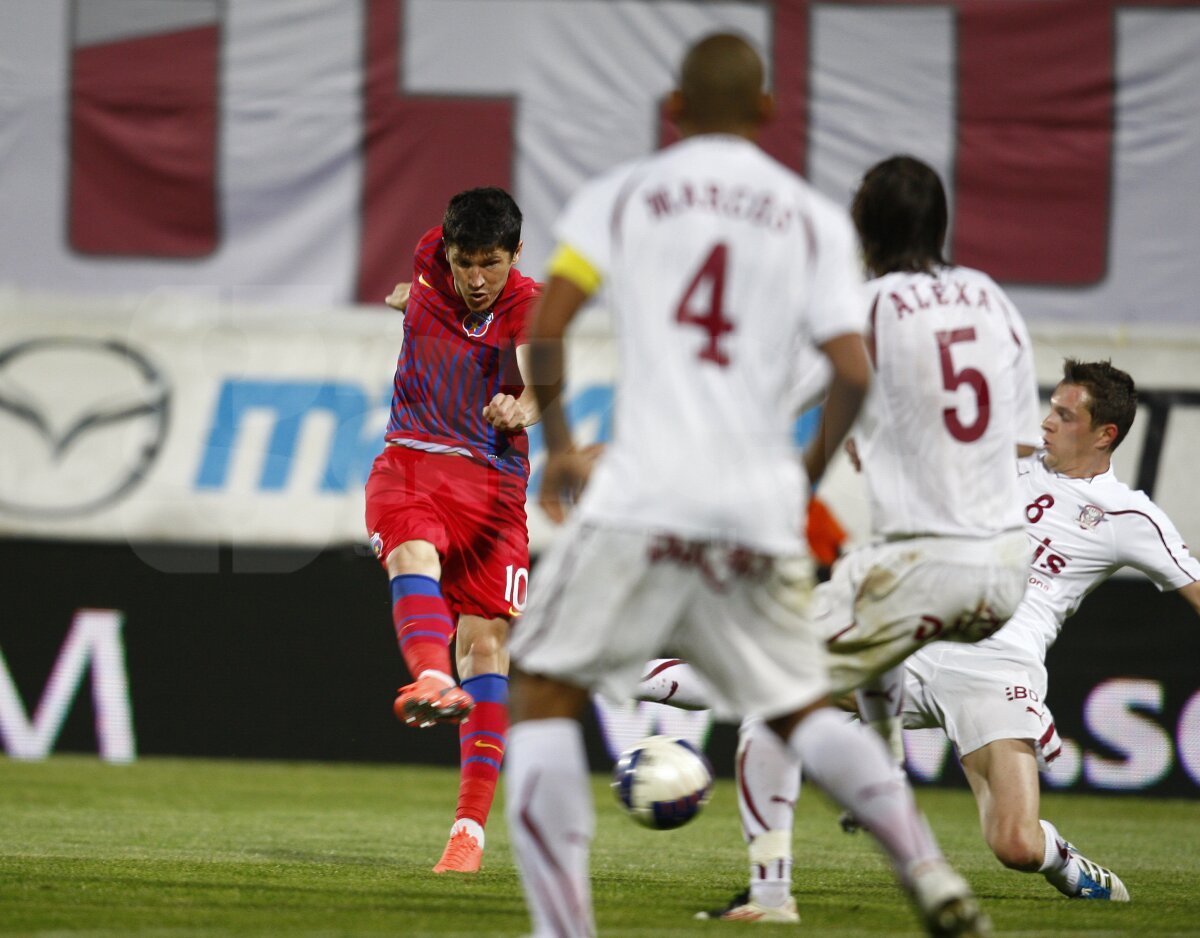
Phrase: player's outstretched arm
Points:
(847, 389)
(1191, 593)
(508, 413)
(566, 471)
(398, 298)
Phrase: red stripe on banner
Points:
(418, 152)
(786, 137)
(1035, 140)
(144, 144)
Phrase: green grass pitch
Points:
(175, 847)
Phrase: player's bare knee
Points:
(1017, 850)
(414, 558)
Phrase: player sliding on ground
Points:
(1082, 525)
(446, 497)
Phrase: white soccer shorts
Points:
(604, 601)
(887, 599)
(978, 698)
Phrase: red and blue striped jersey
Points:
(453, 362)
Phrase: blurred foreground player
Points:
(446, 497)
(720, 265)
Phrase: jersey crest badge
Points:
(1089, 517)
(476, 324)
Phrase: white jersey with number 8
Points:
(720, 264)
(955, 393)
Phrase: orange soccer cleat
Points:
(463, 854)
(429, 700)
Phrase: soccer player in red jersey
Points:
(445, 503)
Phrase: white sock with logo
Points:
(548, 801)
(852, 765)
(880, 703)
(768, 777)
(675, 683)
(1058, 864)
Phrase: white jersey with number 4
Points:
(720, 264)
(954, 394)
(1081, 531)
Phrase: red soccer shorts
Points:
(473, 514)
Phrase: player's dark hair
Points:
(901, 217)
(1112, 392)
(481, 219)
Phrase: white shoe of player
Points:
(1096, 882)
(742, 908)
(947, 906)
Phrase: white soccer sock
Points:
(768, 776)
(675, 683)
(880, 703)
(550, 824)
(1058, 865)
(851, 765)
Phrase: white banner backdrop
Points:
(179, 418)
(296, 149)
(176, 418)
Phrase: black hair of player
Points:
(901, 216)
(1112, 392)
(482, 219)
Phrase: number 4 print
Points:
(703, 304)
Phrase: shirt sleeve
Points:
(521, 315)
(587, 221)
(427, 250)
(838, 303)
(1147, 541)
(573, 266)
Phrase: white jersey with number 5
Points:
(720, 263)
(954, 394)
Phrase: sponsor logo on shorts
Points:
(720, 565)
(377, 544)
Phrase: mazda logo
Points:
(82, 421)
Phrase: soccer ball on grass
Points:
(662, 782)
